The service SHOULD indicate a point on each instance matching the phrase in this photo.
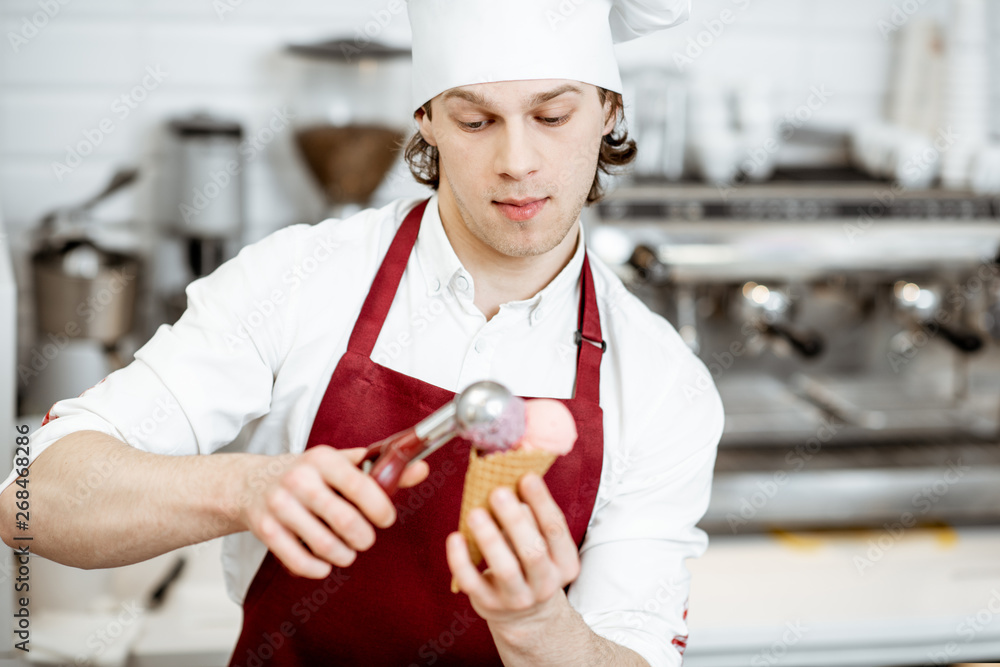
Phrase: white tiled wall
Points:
(65, 79)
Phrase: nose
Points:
(517, 156)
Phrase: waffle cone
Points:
(489, 472)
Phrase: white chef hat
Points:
(462, 42)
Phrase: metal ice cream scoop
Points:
(486, 413)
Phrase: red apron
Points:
(393, 606)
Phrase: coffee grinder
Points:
(352, 117)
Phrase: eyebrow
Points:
(539, 98)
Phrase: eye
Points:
(474, 126)
(555, 121)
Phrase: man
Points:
(321, 339)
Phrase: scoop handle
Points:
(392, 455)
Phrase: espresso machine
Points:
(851, 328)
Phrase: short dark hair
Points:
(617, 150)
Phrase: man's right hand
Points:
(322, 499)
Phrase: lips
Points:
(521, 209)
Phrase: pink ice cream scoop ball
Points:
(502, 433)
(548, 426)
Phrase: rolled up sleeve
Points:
(634, 583)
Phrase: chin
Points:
(531, 248)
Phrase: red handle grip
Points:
(394, 454)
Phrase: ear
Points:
(424, 126)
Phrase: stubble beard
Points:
(506, 243)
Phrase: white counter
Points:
(851, 598)
(797, 600)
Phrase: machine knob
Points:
(807, 343)
(648, 265)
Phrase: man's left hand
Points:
(530, 555)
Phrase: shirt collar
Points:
(442, 268)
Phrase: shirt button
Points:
(436, 285)
(463, 283)
(536, 315)
(481, 346)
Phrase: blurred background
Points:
(814, 207)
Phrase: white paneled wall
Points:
(225, 56)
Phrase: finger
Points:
(344, 519)
(504, 565)
(287, 549)
(302, 522)
(414, 473)
(518, 522)
(468, 578)
(339, 470)
(355, 454)
(553, 526)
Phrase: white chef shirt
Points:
(248, 362)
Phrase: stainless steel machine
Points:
(851, 329)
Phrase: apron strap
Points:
(390, 273)
(386, 284)
(591, 346)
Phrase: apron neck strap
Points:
(591, 346)
(390, 273)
